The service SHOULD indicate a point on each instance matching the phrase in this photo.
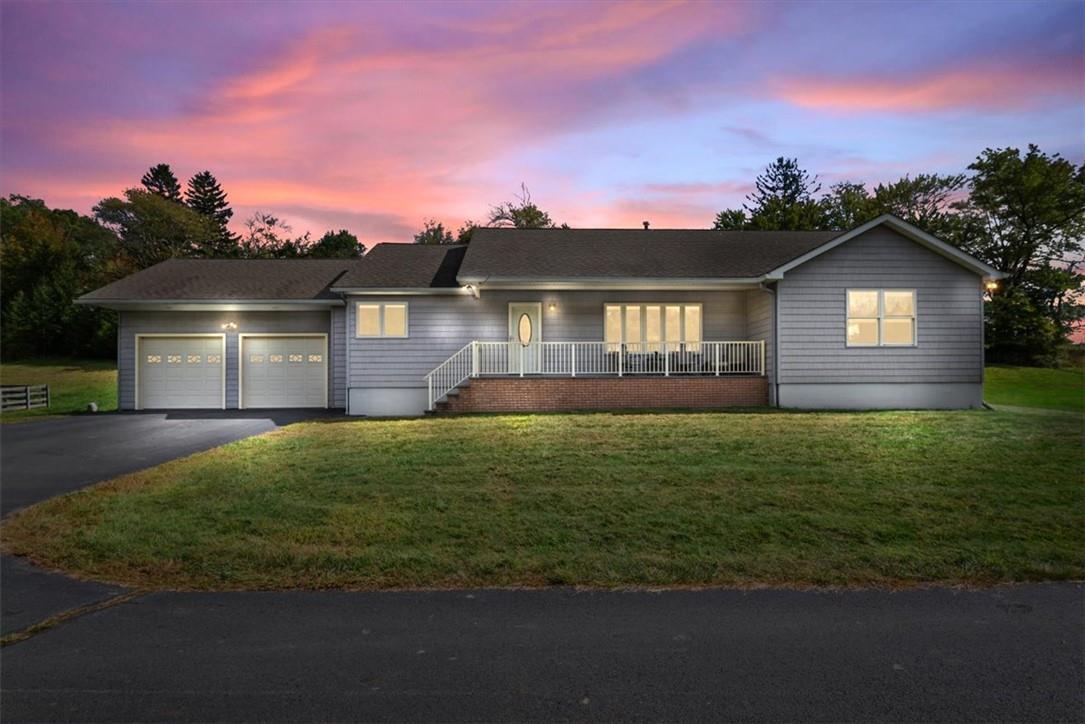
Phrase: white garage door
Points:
(284, 371)
(181, 372)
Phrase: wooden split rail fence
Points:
(23, 397)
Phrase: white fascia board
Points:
(613, 284)
(392, 291)
(904, 229)
(212, 305)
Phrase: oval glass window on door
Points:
(523, 329)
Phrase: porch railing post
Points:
(522, 348)
(572, 359)
(717, 346)
(621, 354)
(762, 370)
(474, 358)
(429, 385)
(666, 360)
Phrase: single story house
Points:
(882, 316)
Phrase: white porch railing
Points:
(594, 359)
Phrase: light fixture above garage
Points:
(228, 326)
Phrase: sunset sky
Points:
(375, 116)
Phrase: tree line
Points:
(1023, 213)
(50, 256)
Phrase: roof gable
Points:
(908, 231)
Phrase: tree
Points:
(152, 229)
(336, 245)
(465, 232)
(433, 232)
(847, 205)
(783, 198)
(731, 220)
(1025, 215)
(205, 196)
(268, 237)
(521, 213)
(160, 180)
(925, 201)
(47, 258)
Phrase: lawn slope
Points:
(599, 500)
(1053, 389)
(72, 384)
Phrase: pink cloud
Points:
(994, 87)
(352, 120)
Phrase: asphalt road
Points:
(769, 655)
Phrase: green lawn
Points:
(892, 498)
(1055, 389)
(72, 383)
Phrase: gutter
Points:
(775, 342)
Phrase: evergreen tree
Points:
(160, 180)
(205, 196)
(783, 198)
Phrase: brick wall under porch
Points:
(552, 394)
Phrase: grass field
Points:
(893, 498)
(72, 383)
(1053, 389)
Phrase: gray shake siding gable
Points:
(947, 360)
(133, 323)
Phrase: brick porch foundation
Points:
(549, 394)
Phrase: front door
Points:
(525, 335)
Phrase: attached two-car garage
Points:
(191, 371)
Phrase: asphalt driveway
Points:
(43, 459)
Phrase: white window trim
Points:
(643, 341)
(882, 317)
(380, 318)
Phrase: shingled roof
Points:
(228, 279)
(571, 254)
(416, 266)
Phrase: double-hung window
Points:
(380, 320)
(652, 327)
(881, 318)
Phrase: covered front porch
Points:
(524, 358)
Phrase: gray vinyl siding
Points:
(813, 310)
(759, 306)
(133, 323)
(440, 325)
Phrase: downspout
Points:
(775, 343)
(346, 344)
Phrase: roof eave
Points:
(646, 283)
(209, 305)
(386, 291)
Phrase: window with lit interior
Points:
(380, 320)
(881, 318)
(652, 327)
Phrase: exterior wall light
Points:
(990, 285)
(552, 307)
(229, 326)
(472, 290)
